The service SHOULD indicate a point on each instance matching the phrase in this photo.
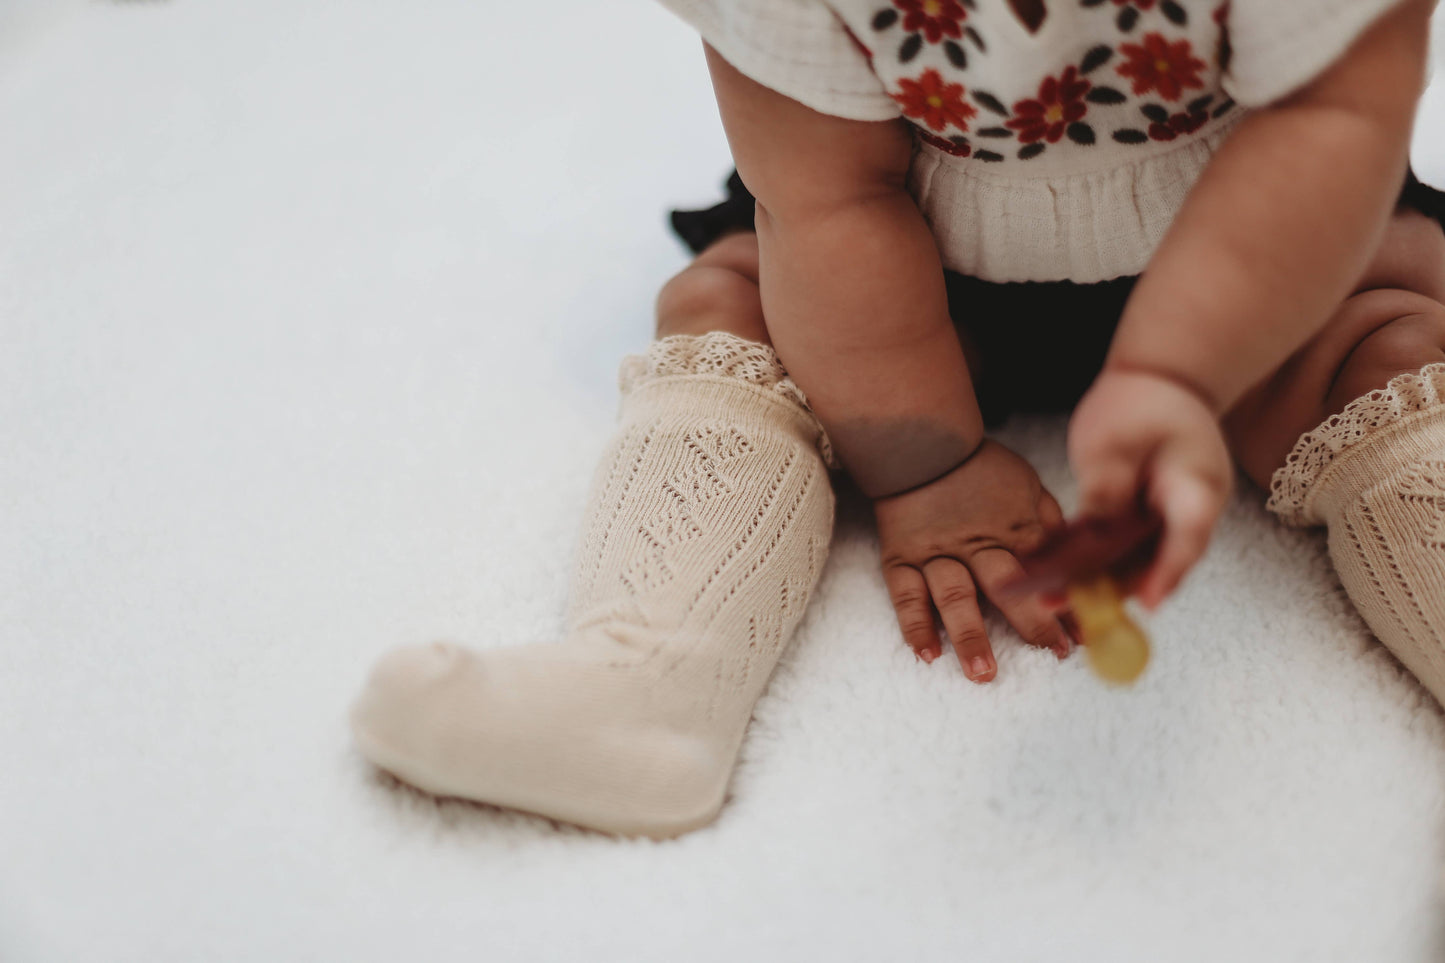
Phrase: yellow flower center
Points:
(1162, 66)
(933, 7)
(935, 101)
(1054, 114)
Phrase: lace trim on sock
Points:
(722, 354)
(1404, 395)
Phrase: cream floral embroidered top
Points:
(1049, 149)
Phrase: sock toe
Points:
(388, 719)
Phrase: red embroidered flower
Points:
(1177, 125)
(937, 103)
(1059, 104)
(1159, 65)
(934, 18)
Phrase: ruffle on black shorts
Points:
(699, 229)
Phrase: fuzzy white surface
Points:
(309, 314)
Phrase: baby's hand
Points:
(1144, 440)
(944, 542)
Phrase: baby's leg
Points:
(1350, 433)
(706, 529)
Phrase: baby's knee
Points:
(708, 297)
(1402, 344)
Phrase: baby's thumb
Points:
(1189, 507)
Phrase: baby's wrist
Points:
(925, 482)
(1165, 377)
(893, 456)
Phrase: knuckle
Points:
(910, 598)
(917, 631)
(1042, 635)
(973, 637)
(905, 553)
(971, 545)
(953, 595)
(1027, 536)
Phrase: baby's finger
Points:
(956, 598)
(1051, 516)
(1189, 508)
(1109, 488)
(1070, 623)
(994, 568)
(909, 593)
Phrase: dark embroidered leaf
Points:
(956, 56)
(1155, 113)
(1031, 13)
(1031, 151)
(990, 102)
(910, 48)
(1094, 3)
(995, 132)
(1129, 136)
(988, 155)
(1105, 95)
(1174, 12)
(1081, 134)
(970, 4)
(972, 34)
(1127, 18)
(1223, 108)
(885, 19)
(1200, 104)
(1096, 58)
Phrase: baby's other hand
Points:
(945, 542)
(1140, 439)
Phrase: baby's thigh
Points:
(1393, 322)
(716, 292)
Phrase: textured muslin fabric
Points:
(1086, 227)
(1375, 474)
(1057, 152)
(708, 524)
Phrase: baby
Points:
(955, 205)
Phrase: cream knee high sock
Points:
(1375, 474)
(708, 524)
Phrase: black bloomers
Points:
(1041, 344)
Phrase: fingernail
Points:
(977, 667)
(928, 655)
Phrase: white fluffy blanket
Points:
(309, 318)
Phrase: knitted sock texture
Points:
(706, 529)
(1375, 474)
